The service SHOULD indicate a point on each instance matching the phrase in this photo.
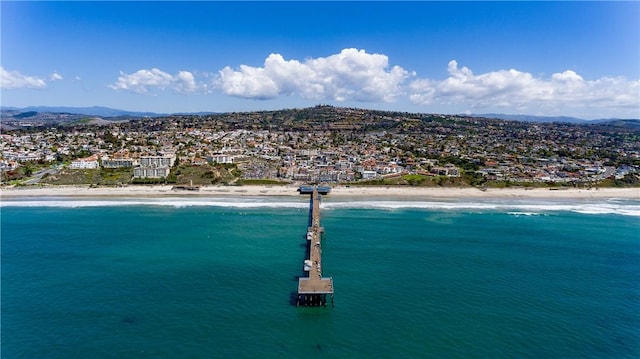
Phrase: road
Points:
(39, 174)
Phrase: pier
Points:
(313, 289)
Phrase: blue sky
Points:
(577, 59)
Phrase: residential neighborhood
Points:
(334, 145)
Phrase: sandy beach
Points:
(414, 193)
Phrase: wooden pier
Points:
(313, 289)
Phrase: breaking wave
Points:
(624, 207)
(162, 202)
(621, 207)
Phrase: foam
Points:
(517, 214)
(628, 208)
(164, 202)
(528, 208)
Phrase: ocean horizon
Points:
(214, 277)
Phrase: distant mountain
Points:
(540, 119)
(635, 124)
(616, 122)
(202, 113)
(112, 114)
(89, 111)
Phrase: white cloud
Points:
(249, 82)
(185, 82)
(355, 75)
(55, 77)
(15, 80)
(513, 89)
(350, 75)
(143, 80)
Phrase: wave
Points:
(517, 214)
(523, 208)
(621, 207)
(165, 202)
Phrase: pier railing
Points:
(313, 289)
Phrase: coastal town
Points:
(321, 144)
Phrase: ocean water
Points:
(214, 277)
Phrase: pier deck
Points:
(312, 290)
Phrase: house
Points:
(448, 170)
(369, 175)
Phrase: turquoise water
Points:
(181, 278)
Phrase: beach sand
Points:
(414, 193)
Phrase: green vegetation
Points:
(102, 177)
(479, 181)
(182, 174)
(114, 176)
(629, 180)
(83, 121)
(75, 176)
(204, 174)
(24, 172)
(263, 182)
(25, 114)
(413, 180)
(473, 178)
(150, 181)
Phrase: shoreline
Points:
(409, 193)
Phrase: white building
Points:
(157, 161)
(118, 162)
(85, 163)
(220, 158)
(150, 172)
(154, 166)
(369, 175)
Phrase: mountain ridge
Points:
(89, 111)
(102, 111)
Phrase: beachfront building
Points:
(221, 158)
(118, 162)
(21, 156)
(448, 170)
(369, 175)
(154, 166)
(157, 161)
(150, 172)
(90, 162)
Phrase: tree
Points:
(28, 170)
